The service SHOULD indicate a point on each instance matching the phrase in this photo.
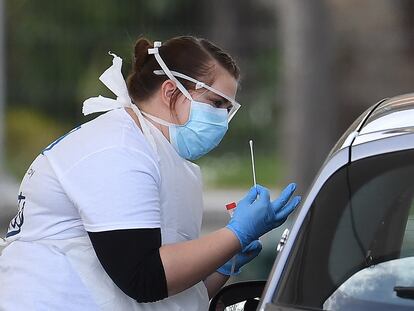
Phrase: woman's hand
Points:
(256, 214)
(245, 256)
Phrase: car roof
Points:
(392, 114)
(389, 127)
(389, 117)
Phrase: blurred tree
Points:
(247, 31)
(310, 117)
(374, 56)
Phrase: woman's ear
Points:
(167, 90)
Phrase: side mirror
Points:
(238, 296)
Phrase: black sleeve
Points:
(132, 259)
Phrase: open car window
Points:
(355, 249)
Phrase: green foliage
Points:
(27, 133)
(233, 171)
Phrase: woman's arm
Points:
(214, 282)
(132, 260)
(186, 263)
(131, 257)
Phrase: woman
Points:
(110, 213)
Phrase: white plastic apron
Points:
(181, 216)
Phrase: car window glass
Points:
(408, 240)
(376, 282)
(356, 243)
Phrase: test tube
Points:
(231, 207)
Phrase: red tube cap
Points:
(231, 205)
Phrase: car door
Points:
(355, 248)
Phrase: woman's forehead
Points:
(224, 82)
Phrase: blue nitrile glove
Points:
(256, 215)
(242, 258)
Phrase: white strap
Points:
(158, 120)
(167, 71)
(113, 79)
(198, 84)
(145, 128)
(157, 44)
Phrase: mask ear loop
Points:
(154, 51)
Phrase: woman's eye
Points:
(218, 103)
(222, 104)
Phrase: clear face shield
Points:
(173, 75)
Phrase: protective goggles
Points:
(173, 75)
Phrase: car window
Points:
(356, 246)
(408, 241)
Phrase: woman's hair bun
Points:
(141, 53)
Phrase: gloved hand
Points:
(256, 215)
(242, 258)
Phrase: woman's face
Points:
(223, 82)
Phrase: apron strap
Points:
(114, 80)
(144, 126)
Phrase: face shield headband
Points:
(173, 75)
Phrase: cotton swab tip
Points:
(252, 156)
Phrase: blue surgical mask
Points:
(204, 130)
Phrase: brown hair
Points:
(186, 54)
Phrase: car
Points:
(351, 242)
